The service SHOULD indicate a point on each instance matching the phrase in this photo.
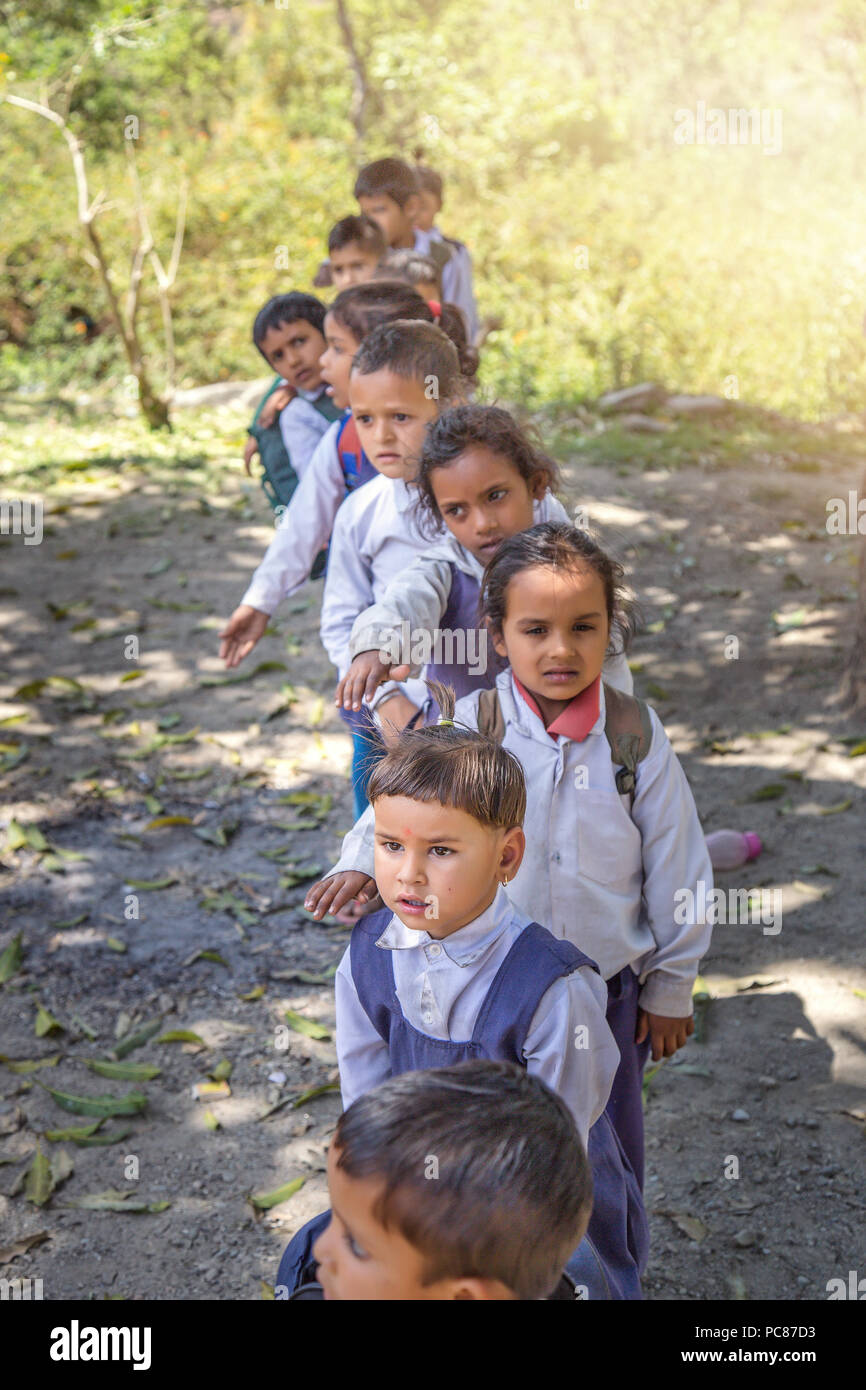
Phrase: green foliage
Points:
(610, 252)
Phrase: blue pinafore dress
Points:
(610, 1259)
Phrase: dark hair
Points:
(429, 181)
(361, 228)
(415, 350)
(406, 264)
(288, 308)
(457, 430)
(391, 176)
(361, 308)
(455, 766)
(555, 545)
(513, 1188)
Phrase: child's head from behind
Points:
(289, 333)
(429, 196)
(479, 475)
(387, 191)
(355, 313)
(417, 270)
(449, 807)
(497, 1217)
(549, 597)
(356, 245)
(402, 375)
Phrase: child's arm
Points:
(675, 861)
(570, 1046)
(304, 529)
(362, 1056)
(301, 427)
(417, 597)
(356, 858)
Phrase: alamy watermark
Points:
(22, 516)
(730, 907)
(715, 125)
(419, 646)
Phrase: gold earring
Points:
(505, 880)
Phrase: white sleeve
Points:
(457, 287)
(348, 588)
(549, 508)
(357, 850)
(301, 426)
(362, 1056)
(570, 1046)
(418, 596)
(303, 530)
(675, 860)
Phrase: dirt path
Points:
(157, 549)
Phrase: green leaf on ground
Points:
(150, 885)
(105, 1106)
(131, 1041)
(46, 1023)
(306, 1026)
(24, 1066)
(112, 1200)
(73, 1134)
(123, 1071)
(263, 1201)
(837, 809)
(182, 1035)
(770, 792)
(261, 669)
(10, 960)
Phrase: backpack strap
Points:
(491, 721)
(357, 468)
(628, 730)
(326, 408)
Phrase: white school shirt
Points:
(457, 285)
(304, 527)
(441, 986)
(375, 537)
(593, 874)
(302, 426)
(419, 595)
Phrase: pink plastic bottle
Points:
(731, 848)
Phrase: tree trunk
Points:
(360, 86)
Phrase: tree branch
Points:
(360, 85)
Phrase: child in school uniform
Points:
(387, 190)
(335, 468)
(613, 835)
(288, 332)
(464, 1182)
(356, 246)
(452, 969)
(375, 535)
(483, 478)
(430, 195)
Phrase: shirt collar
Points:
(464, 946)
(311, 395)
(579, 717)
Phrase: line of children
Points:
(452, 969)
(388, 191)
(463, 1222)
(481, 477)
(613, 831)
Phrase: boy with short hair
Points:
(288, 333)
(388, 191)
(467, 1182)
(356, 245)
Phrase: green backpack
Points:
(627, 728)
(279, 478)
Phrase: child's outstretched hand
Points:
(251, 448)
(364, 676)
(241, 633)
(331, 894)
(274, 404)
(667, 1035)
